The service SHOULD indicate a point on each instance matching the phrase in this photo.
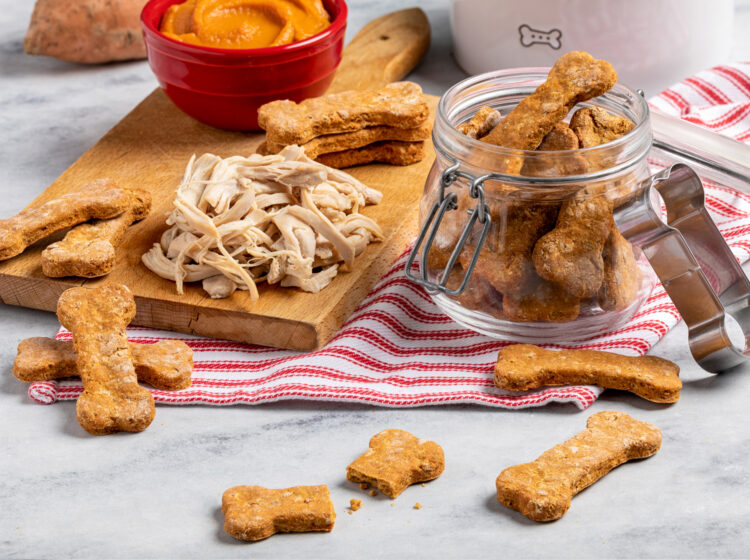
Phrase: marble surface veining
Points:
(157, 494)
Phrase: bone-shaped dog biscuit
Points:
(400, 104)
(329, 143)
(505, 258)
(395, 460)
(561, 137)
(98, 199)
(531, 36)
(394, 153)
(543, 489)
(574, 78)
(571, 254)
(594, 126)
(112, 400)
(252, 513)
(621, 277)
(165, 365)
(485, 119)
(539, 300)
(88, 250)
(521, 367)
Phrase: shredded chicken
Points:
(282, 219)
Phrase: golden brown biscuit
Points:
(350, 140)
(560, 138)
(88, 250)
(571, 254)
(621, 276)
(574, 78)
(399, 104)
(541, 301)
(395, 153)
(505, 257)
(543, 489)
(485, 119)
(594, 126)
(165, 365)
(98, 199)
(395, 460)
(112, 400)
(252, 513)
(521, 367)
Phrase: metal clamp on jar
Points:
(567, 249)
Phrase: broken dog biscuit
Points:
(574, 78)
(540, 300)
(484, 120)
(98, 199)
(252, 513)
(543, 489)
(521, 367)
(621, 278)
(350, 140)
(395, 153)
(400, 104)
(395, 460)
(571, 254)
(594, 126)
(165, 365)
(112, 400)
(88, 250)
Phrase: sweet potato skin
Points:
(86, 31)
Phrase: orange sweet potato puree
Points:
(244, 24)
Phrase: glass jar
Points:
(542, 258)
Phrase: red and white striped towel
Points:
(398, 349)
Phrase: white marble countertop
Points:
(157, 494)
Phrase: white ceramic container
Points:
(651, 43)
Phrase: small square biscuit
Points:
(395, 460)
(394, 153)
(252, 513)
(399, 104)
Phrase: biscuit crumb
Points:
(424, 485)
(364, 486)
(393, 504)
(417, 506)
(354, 504)
(373, 492)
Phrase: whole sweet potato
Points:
(88, 31)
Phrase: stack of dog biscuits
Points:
(108, 365)
(386, 125)
(89, 248)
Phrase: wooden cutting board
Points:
(149, 149)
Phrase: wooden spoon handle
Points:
(385, 50)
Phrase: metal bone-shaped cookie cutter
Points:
(688, 254)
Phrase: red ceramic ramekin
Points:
(225, 87)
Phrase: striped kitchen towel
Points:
(398, 349)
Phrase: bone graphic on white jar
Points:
(531, 36)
